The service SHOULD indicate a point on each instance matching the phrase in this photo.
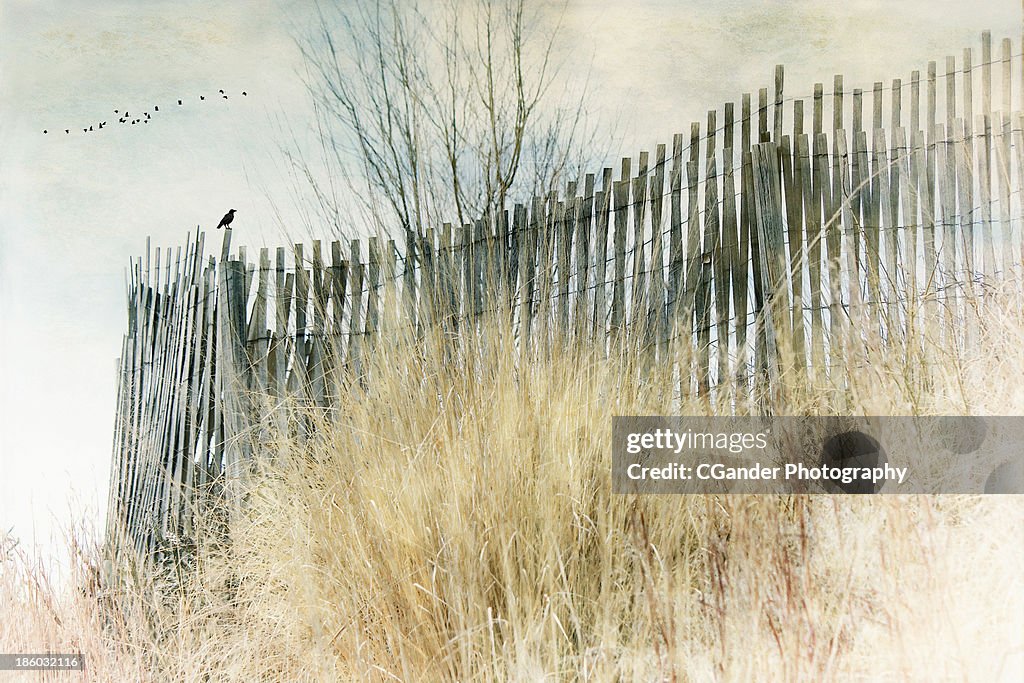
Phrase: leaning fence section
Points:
(737, 254)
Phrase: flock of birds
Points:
(128, 118)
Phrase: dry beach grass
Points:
(458, 524)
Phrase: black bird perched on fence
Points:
(226, 221)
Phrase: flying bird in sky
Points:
(144, 117)
(226, 221)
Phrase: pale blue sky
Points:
(74, 208)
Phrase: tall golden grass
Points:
(453, 520)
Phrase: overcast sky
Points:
(74, 207)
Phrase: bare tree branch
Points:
(436, 115)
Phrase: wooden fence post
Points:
(772, 255)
